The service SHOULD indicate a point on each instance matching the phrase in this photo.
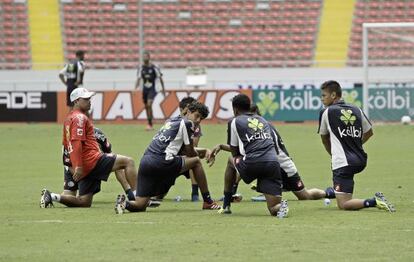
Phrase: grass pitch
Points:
(181, 231)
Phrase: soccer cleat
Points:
(226, 210)
(283, 210)
(46, 199)
(382, 203)
(120, 204)
(194, 198)
(154, 203)
(212, 206)
(149, 128)
(259, 198)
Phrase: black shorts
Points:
(69, 88)
(148, 94)
(343, 178)
(293, 183)
(267, 174)
(156, 175)
(68, 182)
(91, 184)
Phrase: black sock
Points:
(329, 192)
(150, 121)
(227, 199)
(235, 186)
(206, 197)
(130, 194)
(370, 202)
(194, 191)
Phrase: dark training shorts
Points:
(69, 183)
(148, 94)
(343, 178)
(156, 175)
(293, 183)
(91, 184)
(267, 174)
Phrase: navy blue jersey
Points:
(252, 134)
(345, 124)
(103, 143)
(73, 71)
(149, 74)
(175, 133)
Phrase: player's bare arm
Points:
(326, 141)
(367, 136)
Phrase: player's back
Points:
(347, 123)
(254, 133)
(169, 139)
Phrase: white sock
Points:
(135, 192)
(55, 197)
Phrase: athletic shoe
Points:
(226, 211)
(212, 206)
(46, 199)
(149, 128)
(259, 198)
(120, 204)
(194, 198)
(382, 203)
(236, 198)
(154, 203)
(283, 210)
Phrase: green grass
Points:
(180, 231)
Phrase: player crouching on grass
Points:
(252, 145)
(90, 165)
(70, 186)
(290, 177)
(344, 128)
(162, 164)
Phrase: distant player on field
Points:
(253, 156)
(90, 165)
(149, 73)
(290, 177)
(70, 186)
(344, 128)
(161, 164)
(72, 75)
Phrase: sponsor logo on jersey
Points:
(349, 119)
(257, 127)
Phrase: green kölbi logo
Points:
(267, 104)
(255, 124)
(347, 117)
(165, 127)
(351, 97)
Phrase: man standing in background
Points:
(72, 75)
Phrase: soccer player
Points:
(73, 72)
(161, 163)
(70, 187)
(149, 73)
(90, 165)
(253, 156)
(344, 128)
(184, 103)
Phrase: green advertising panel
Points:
(385, 104)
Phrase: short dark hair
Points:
(255, 109)
(241, 102)
(186, 101)
(332, 86)
(200, 107)
(79, 53)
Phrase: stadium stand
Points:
(14, 35)
(384, 49)
(198, 32)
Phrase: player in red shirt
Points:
(90, 165)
